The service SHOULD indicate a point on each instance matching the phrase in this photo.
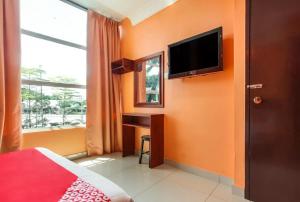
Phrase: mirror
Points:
(148, 81)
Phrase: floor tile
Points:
(239, 199)
(136, 179)
(193, 182)
(213, 199)
(162, 170)
(108, 165)
(232, 199)
(223, 192)
(166, 190)
(161, 184)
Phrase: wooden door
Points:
(273, 108)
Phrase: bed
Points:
(41, 175)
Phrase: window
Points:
(53, 47)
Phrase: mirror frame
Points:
(160, 103)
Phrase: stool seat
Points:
(144, 138)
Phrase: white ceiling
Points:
(135, 10)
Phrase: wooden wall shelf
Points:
(122, 66)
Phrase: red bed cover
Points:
(28, 175)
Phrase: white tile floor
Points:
(162, 184)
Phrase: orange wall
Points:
(61, 141)
(239, 91)
(199, 111)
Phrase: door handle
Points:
(255, 86)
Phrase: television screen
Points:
(200, 54)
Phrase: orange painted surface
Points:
(199, 111)
(239, 91)
(63, 142)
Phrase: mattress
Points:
(113, 191)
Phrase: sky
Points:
(60, 20)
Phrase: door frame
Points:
(247, 102)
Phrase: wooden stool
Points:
(144, 138)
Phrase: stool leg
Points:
(142, 151)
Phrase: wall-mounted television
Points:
(200, 54)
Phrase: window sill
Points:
(38, 130)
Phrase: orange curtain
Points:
(103, 88)
(10, 101)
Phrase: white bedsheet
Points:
(113, 191)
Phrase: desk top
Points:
(140, 114)
(141, 119)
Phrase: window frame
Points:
(52, 39)
(58, 41)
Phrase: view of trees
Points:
(47, 106)
(152, 81)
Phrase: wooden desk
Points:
(155, 122)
